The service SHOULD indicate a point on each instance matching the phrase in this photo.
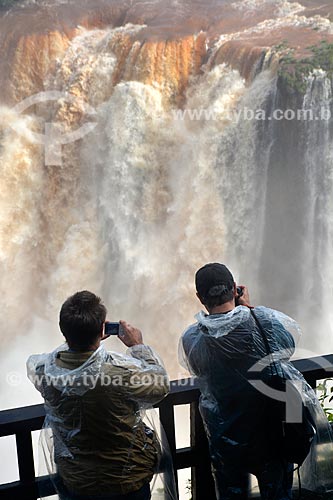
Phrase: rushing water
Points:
(151, 192)
(174, 171)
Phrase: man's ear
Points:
(235, 290)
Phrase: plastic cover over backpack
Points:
(100, 434)
(225, 351)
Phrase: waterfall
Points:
(183, 165)
(318, 244)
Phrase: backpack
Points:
(291, 437)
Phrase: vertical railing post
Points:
(25, 456)
(312, 382)
(168, 431)
(201, 474)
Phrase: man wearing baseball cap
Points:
(219, 349)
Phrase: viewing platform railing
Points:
(21, 422)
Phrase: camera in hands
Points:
(112, 328)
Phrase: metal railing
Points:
(21, 422)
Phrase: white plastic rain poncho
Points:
(95, 441)
(221, 350)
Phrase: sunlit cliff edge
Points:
(176, 40)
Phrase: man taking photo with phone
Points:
(100, 446)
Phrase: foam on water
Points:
(281, 7)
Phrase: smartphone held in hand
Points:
(111, 328)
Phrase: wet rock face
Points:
(167, 47)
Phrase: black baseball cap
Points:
(213, 279)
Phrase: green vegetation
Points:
(325, 397)
(189, 488)
(293, 71)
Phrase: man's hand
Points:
(130, 335)
(244, 299)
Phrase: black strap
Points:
(262, 331)
(265, 339)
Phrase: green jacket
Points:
(93, 402)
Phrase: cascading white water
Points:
(143, 200)
(318, 244)
(242, 165)
(131, 214)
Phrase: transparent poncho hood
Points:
(221, 324)
(79, 380)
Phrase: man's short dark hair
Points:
(215, 284)
(81, 318)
